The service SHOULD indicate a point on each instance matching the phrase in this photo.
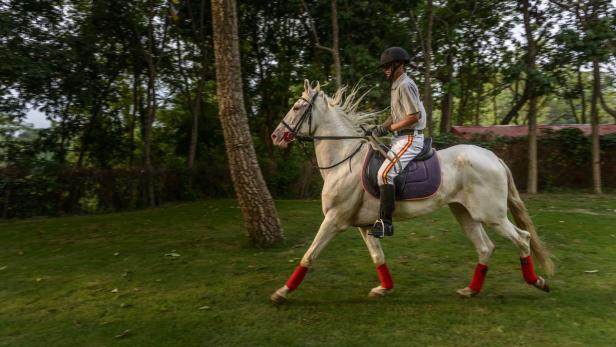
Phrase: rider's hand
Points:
(379, 131)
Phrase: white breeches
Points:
(403, 149)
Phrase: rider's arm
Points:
(407, 121)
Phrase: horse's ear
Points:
(318, 86)
(306, 85)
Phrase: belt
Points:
(407, 132)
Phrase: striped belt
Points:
(407, 132)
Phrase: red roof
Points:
(469, 132)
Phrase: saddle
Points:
(420, 179)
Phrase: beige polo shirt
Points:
(405, 100)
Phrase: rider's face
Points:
(388, 70)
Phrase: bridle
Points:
(307, 115)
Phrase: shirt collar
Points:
(399, 80)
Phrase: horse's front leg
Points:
(329, 228)
(378, 258)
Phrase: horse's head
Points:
(302, 118)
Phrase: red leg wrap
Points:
(528, 270)
(385, 277)
(297, 277)
(478, 277)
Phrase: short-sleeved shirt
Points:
(405, 100)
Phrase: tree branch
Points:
(313, 29)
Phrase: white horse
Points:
(476, 184)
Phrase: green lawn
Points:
(183, 275)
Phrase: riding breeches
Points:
(403, 149)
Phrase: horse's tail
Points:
(523, 221)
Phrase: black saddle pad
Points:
(420, 179)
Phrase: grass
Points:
(183, 275)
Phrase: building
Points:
(489, 132)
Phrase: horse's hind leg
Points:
(483, 245)
(327, 231)
(378, 258)
(521, 239)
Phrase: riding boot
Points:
(383, 226)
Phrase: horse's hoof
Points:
(466, 293)
(379, 292)
(542, 284)
(280, 296)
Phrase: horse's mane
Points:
(346, 103)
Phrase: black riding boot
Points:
(383, 226)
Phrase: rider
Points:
(407, 121)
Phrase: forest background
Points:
(129, 89)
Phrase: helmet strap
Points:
(394, 66)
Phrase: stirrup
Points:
(378, 229)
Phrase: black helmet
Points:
(394, 54)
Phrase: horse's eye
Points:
(295, 108)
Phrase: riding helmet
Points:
(393, 54)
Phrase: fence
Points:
(564, 162)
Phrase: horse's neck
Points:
(330, 152)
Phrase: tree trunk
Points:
(580, 86)
(594, 121)
(478, 104)
(532, 110)
(335, 49)
(336, 44)
(133, 117)
(194, 134)
(516, 107)
(147, 135)
(573, 112)
(606, 107)
(446, 108)
(260, 215)
(462, 106)
(447, 100)
(495, 108)
(428, 67)
(531, 186)
(152, 59)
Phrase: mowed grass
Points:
(184, 275)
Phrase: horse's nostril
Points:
(273, 136)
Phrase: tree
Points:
(335, 48)
(592, 21)
(531, 53)
(260, 215)
(425, 40)
(192, 49)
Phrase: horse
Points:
(477, 186)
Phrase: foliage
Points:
(86, 65)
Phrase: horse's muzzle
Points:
(282, 138)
